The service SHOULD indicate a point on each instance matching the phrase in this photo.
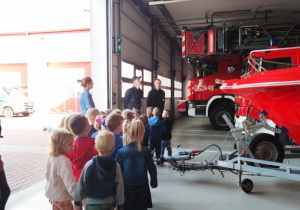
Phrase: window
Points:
(178, 93)
(164, 81)
(167, 92)
(147, 76)
(277, 63)
(125, 86)
(138, 73)
(127, 70)
(207, 68)
(147, 88)
(178, 85)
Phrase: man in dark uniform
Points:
(134, 96)
(156, 96)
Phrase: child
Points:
(116, 111)
(167, 136)
(144, 119)
(127, 115)
(66, 121)
(108, 112)
(97, 124)
(149, 112)
(61, 184)
(83, 149)
(60, 126)
(91, 115)
(113, 124)
(136, 112)
(157, 127)
(101, 178)
(135, 160)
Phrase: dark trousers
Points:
(166, 144)
(155, 144)
(4, 190)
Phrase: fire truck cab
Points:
(205, 49)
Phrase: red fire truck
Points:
(205, 49)
(216, 55)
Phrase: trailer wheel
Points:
(8, 112)
(216, 119)
(247, 185)
(266, 147)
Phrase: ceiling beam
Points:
(151, 3)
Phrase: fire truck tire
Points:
(8, 112)
(266, 147)
(286, 140)
(216, 119)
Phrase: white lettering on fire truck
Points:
(200, 88)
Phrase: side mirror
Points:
(230, 70)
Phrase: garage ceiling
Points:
(174, 14)
(52, 15)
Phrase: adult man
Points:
(156, 96)
(134, 96)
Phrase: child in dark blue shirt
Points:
(157, 128)
(167, 136)
(114, 124)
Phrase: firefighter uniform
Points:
(156, 98)
(133, 98)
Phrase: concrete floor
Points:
(196, 189)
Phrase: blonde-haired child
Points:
(116, 111)
(149, 112)
(127, 115)
(97, 124)
(91, 115)
(135, 160)
(61, 184)
(101, 171)
(66, 121)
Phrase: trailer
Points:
(241, 161)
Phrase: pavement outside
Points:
(24, 149)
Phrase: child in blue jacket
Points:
(135, 161)
(157, 128)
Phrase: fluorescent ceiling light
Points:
(167, 2)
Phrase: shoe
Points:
(159, 164)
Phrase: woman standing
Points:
(86, 99)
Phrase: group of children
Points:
(108, 155)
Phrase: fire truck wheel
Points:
(216, 119)
(8, 112)
(266, 147)
(286, 140)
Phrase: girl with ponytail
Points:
(135, 160)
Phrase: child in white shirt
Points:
(61, 183)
